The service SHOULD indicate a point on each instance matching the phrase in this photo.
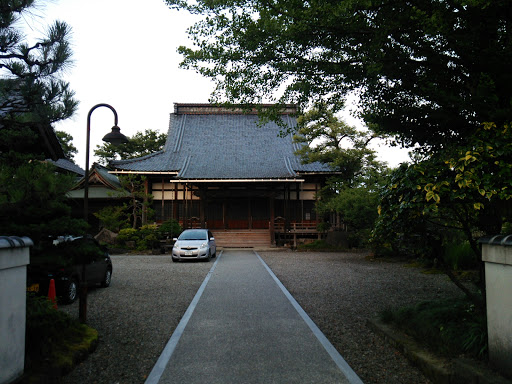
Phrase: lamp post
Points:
(115, 137)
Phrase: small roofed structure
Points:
(104, 189)
(224, 170)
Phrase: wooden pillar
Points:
(272, 218)
(224, 214)
(286, 206)
(249, 212)
(174, 207)
(163, 202)
(145, 202)
(202, 206)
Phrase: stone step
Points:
(242, 238)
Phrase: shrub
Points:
(147, 237)
(127, 234)
(449, 327)
(113, 218)
(460, 256)
(170, 228)
(52, 337)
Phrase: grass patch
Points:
(55, 342)
(447, 327)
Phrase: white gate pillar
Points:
(497, 255)
(14, 258)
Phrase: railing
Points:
(302, 227)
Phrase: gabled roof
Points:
(205, 141)
(99, 175)
(102, 185)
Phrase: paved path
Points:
(244, 327)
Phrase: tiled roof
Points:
(68, 165)
(223, 146)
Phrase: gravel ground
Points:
(137, 314)
(341, 291)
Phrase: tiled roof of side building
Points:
(224, 146)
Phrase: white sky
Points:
(124, 54)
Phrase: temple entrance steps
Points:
(242, 238)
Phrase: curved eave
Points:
(324, 173)
(238, 180)
(125, 172)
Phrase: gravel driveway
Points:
(137, 314)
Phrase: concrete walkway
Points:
(243, 326)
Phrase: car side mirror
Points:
(175, 239)
(212, 238)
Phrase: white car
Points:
(196, 244)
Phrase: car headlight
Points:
(204, 245)
(176, 246)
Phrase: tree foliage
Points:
(323, 137)
(428, 71)
(140, 144)
(352, 192)
(66, 142)
(459, 194)
(31, 91)
(33, 202)
(32, 195)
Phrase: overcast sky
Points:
(124, 54)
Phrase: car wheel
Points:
(70, 293)
(209, 256)
(107, 278)
(174, 260)
(214, 255)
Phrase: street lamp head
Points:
(115, 137)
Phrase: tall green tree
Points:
(32, 97)
(428, 71)
(325, 138)
(66, 142)
(31, 91)
(353, 192)
(140, 144)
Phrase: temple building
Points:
(220, 169)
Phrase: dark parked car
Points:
(63, 261)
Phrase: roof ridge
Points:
(185, 166)
(226, 108)
(289, 166)
(179, 133)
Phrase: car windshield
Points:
(193, 235)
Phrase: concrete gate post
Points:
(14, 258)
(497, 255)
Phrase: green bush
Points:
(169, 229)
(449, 327)
(114, 218)
(52, 337)
(460, 256)
(127, 234)
(147, 237)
